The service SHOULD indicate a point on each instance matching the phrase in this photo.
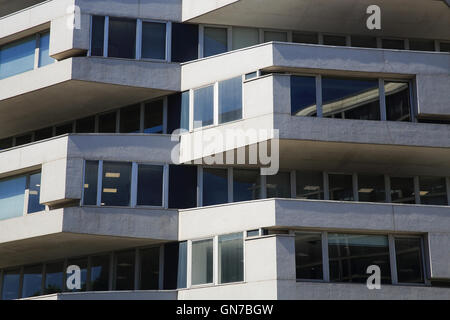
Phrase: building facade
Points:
(135, 139)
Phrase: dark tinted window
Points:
(11, 284)
(182, 187)
(402, 190)
(100, 273)
(230, 99)
(85, 125)
(43, 134)
(34, 188)
(6, 143)
(184, 42)
(341, 187)
(150, 185)
(393, 44)
(309, 185)
(98, 34)
(334, 40)
(173, 112)
(90, 183)
(153, 40)
(63, 129)
(303, 96)
(107, 122)
(149, 269)
(116, 187)
(215, 186)
(23, 139)
(246, 185)
(311, 38)
(444, 46)
(122, 38)
(124, 270)
(130, 119)
(279, 185)
(153, 117)
(421, 45)
(371, 188)
(408, 252)
(308, 256)
(32, 281)
(54, 277)
(433, 190)
(398, 106)
(364, 42)
(215, 41)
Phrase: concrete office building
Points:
(91, 91)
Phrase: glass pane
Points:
(12, 196)
(98, 31)
(311, 38)
(64, 129)
(20, 141)
(85, 125)
(444, 46)
(11, 284)
(251, 75)
(244, 37)
(402, 190)
(371, 188)
(122, 38)
(215, 186)
(408, 253)
(364, 41)
(149, 269)
(43, 134)
(6, 143)
(182, 265)
(100, 273)
(230, 100)
(150, 185)
(130, 119)
(184, 122)
(153, 119)
(32, 281)
(184, 42)
(351, 254)
(309, 185)
(246, 185)
(308, 256)
(421, 45)
(116, 186)
(182, 187)
(303, 96)
(17, 57)
(215, 41)
(351, 98)
(82, 263)
(125, 270)
(34, 194)
(53, 277)
(330, 40)
(153, 40)
(203, 107)
(202, 262)
(107, 123)
(433, 191)
(44, 50)
(341, 187)
(90, 183)
(398, 106)
(275, 36)
(231, 258)
(171, 269)
(279, 185)
(392, 44)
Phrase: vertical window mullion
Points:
(263, 191)
(106, 37)
(447, 184)
(169, 41)
(161, 268)
(393, 259)
(88, 274)
(134, 183)
(36, 51)
(387, 187)
(216, 260)
(417, 189)
(199, 186)
(112, 272)
(165, 115)
(326, 187)
(89, 53)
(138, 39)
(319, 96)
(355, 186)
(99, 183)
(166, 186)
(229, 39)
(325, 257)
(382, 94)
(189, 265)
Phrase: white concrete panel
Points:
(439, 244)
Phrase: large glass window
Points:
(402, 190)
(433, 191)
(98, 35)
(421, 45)
(64, 129)
(12, 196)
(150, 185)
(85, 125)
(408, 253)
(122, 38)
(203, 106)
(215, 41)
(34, 192)
(107, 122)
(299, 37)
(275, 36)
(54, 277)
(11, 284)
(398, 107)
(182, 265)
(371, 188)
(184, 121)
(341, 187)
(90, 183)
(83, 264)
(231, 258)
(444, 46)
(116, 185)
(32, 281)
(246, 185)
(303, 96)
(393, 44)
(100, 273)
(174, 265)
(279, 185)
(309, 185)
(44, 50)
(351, 254)
(149, 269)
(130, 119)
(350, 98)
(230, 100)
(6, 143)
(43, 134)
(153, 117)
(21, 140)
(182, 187)
(215, 186)
(153, 40)
(184, 42)
(334, 40)
(202, 262)
(245, 37)
(364, 41)
(124, 270)
(308, 255)
(17, 57)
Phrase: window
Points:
(34, 191)
(116, 185)
(246, 185)
(44, 50)
(364, 41)
(98, 35)
(351, 98)
(215, 186)
(351, 254)
(279, 185)
(17, 57)
(85, 125)
(231, 258)
(393, 44)
(251, 75)
(175, 267)
(182, 187)
(309, 185)
(11, 284)
(130, 119)
(202, 262)
(303, 96)
(331, 40)
(90, 183)
(371, 188)
(204, 106)
(107, 122)
(398, 106)
(43, 134)
(32, 281)
(100, 273)
(124, 270)
(311, 38)
(444, 46)
(184, 42)
(54, 277)
(150, 185)
(178, 112)
(149, 269)
(433, 191)
(122, 38)
(182, 265)
(153, 117)
(64, 129)
(83, 264)
(153, 40)
(408, 253)
(21, 140)
(308, 256)
(215, 41)
(421, 45)
(402, 190)
(12, 196)
(6, 143)
(184, 121)
(244, 37)
(341, 187)
(275, 36)
(230, 100)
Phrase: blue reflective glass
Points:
(34, 194)
(203, 107)
(17, 57)
(44, 45)
(182, 265)
(11, 284)
(303, 96)
(32, 281)
(150, 185)
(12, 193)
(215, 186)
(184, 122)
(53, 277)
(215, 41)
(122, 38)
(153, 40)
(230, 100)
(184, 42)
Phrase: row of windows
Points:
(25, 55)
(340, 257)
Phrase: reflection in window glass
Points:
(311, 38)
(32, 281)
(398, 106)
(275, 36)
(279, 185)
(308, 256)
(433, 191)
(331, 40)
(215, 186)
(11, 284)
(182, 186)
(125, 270)
(116, 185)
(85, 125)
(230, 100)
(83, 264)
(100, 273)
(421, 45)
(54, 277)
(231, 258)
(90, 183)
(153, 40)
(309, 185)
(184, 121)
(371, 188)
(153, 117)
(149, 259)
(364, 41)
(215, 41)
(203, 106)
(17, 57)
(303, 96)
(44, 50)
(98, 34)
(184, 42)
(107, 122)
(150, 185)
(393, 44)
(246, 185)
(351, 98)
(402, 190)
(122, 38)
(244, 37)
(12, 196)
(202, 262)
(34, 194)
(182, 265)
(408, 253)
(130, 119)
(341, 187)
(351, 254)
